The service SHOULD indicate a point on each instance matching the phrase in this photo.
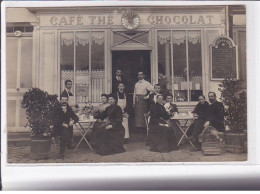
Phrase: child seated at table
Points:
(65, 119)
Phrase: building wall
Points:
(49, 23)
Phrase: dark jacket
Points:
(121, 96)
(216, 116)
(65, 94)
(114, 115)
(174, 108)
(202, 111)
(151, 101)
(158, 114)
(61, 117)
(115, 83)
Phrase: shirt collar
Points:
(67, 90)
(140, 81)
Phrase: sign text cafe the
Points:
(146, 19)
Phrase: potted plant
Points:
(234, 97)
(40, 109)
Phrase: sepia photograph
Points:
(126, 84)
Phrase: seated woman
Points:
(161, 136)
(99, 110)
(103, 105)
(171, 109)
(109, 131)
(201, 112)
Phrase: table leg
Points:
(185, 132)
(84, 135)
(80, 133)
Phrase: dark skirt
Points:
(161, 138)
(107, 142)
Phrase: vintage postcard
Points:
(128, 83)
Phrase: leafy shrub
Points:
(234, 96)
(40, 109)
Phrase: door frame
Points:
(111, 72)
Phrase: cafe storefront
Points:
(87, 44)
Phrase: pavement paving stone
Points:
(136, 152)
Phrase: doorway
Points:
(130, 62)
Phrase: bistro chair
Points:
(147, 120)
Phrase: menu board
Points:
(223, 59)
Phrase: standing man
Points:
(122, 100)
(215, 113)
(67, 92)
(141, 91)
(117, 79)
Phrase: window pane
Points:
(118, 38)
(19, 28)
(11, 113)
(67, 59)
(97, 65)
(164, 61)
(28, 28)
(9, 29)
(82, 67)
(195, 64)
(179, 66)
(26, 64)
(11, 62)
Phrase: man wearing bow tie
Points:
(117, 79)
(141, 91)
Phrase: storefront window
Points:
(179, 54)
(195, 67)
(67, 59)
(97, 65)
(180, 85)
(164, 61)
(88, 50)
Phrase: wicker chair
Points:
(212, 141)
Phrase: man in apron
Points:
(141, 94)
(123, 101)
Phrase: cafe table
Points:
(188, 119)
(84, 126)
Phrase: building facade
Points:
(46, 46)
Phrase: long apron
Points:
(122, 104)
(140, 109)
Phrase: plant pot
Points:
(235, 142)
(40, 148)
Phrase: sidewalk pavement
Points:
(135, 152)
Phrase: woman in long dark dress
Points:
(109, 130)
(201, 112)
(99, 110)
(161, 136)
